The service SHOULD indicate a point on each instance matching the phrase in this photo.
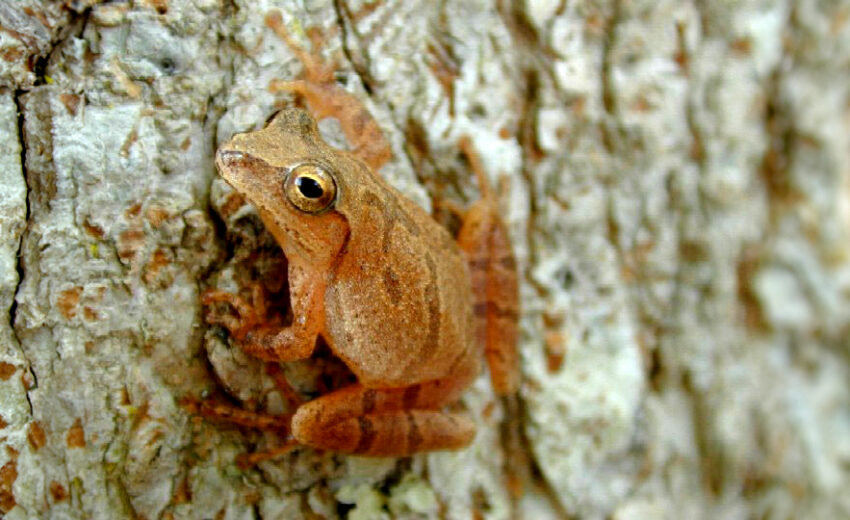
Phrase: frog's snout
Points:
(226, 158)
(243, 170)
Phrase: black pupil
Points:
(309, 187)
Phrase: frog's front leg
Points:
(272, 342)
(386, 422)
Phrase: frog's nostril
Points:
(229, 157)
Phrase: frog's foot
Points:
(247, 460)
(385, 422)
(249, 315)
(220, 412)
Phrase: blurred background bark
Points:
(679, 201)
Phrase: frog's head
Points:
(290, 175)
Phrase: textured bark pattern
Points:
(679, 201)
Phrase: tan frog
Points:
(378, 279)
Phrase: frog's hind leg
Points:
(277, 424)
(246, 460)
(316, 69)
(280, 425)
(385, 422)
(325, 98)
(231, 414)
(492, 270)
(484, 239)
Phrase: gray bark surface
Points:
(678, 179)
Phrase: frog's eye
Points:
(310, 188)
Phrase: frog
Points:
(411, 310)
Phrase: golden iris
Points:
(310, 188)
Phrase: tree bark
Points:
(679, 204)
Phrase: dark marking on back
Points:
(391, 284)
(432, 298)
(392, 212)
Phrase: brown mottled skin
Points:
(379, 280)
(387, 287)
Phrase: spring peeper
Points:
(386, 287)
(374, 275)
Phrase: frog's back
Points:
(399, 305)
